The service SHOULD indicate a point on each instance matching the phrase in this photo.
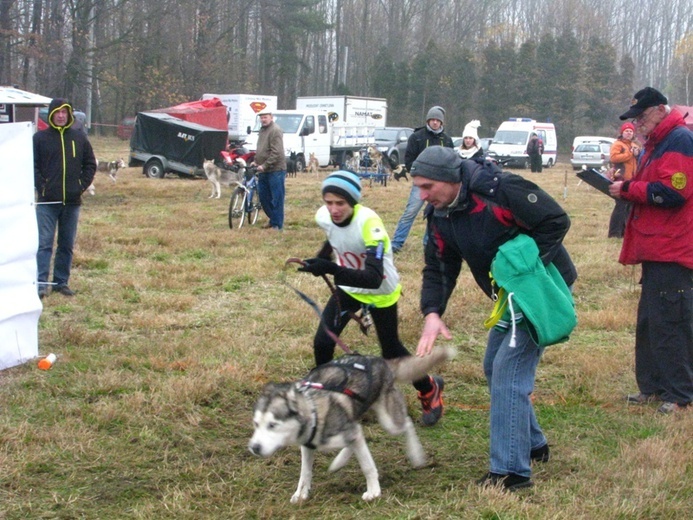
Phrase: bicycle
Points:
(244, 201)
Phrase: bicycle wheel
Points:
(237, 208)
(253, 208)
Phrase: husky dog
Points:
(218, 176)
(313, 164)
(382, 160)
(111, 167)
(323, 412)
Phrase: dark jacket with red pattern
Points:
(492, 208)
(660, 226)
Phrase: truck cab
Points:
(311, 132)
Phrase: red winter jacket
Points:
(660, 226)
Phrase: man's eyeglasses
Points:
(643, 116)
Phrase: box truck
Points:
(510, 142)
(242, 110)
(348, 109)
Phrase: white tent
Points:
(20, 307)
(18, 105)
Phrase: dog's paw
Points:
(299, 497)
(371, 495)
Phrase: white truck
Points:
(510, 142)
(241, 112)
(332, 128)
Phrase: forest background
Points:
(573, 62)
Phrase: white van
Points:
(510, 142)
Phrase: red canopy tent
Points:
(207, 112)
(686, 110)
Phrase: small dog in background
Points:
(218, 176)
(383, 162)
(110, 167)
(313, 164)
(291, 165)
(376, 157)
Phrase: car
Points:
(124, 130)
(392, 140)
(591, 139)
(592, 154)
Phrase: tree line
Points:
(573, 62)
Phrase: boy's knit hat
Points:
(345, 184)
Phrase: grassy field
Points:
(179, 321)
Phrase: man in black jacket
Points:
(475, 208)
(64, 167)
(432, 134)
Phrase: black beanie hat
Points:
(438, 163)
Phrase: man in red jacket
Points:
(659, 235)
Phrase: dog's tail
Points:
(411, 368)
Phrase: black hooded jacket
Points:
(64, 162)
(421, 139)
(493, 207)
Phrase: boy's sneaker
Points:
(510, 482)
(669, 408)
(432, 402)
(540, 454)
(642, 398)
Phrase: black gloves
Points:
(319, 267)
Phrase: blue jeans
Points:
(64, 218)
(510, 373)
(411, 210)
(271, 191)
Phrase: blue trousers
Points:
(411, 210)
(63, 219)
(510, 373)
(271, 191)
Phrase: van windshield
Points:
(287, 122)
(510, 137)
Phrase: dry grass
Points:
(179, 321)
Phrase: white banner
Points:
(20, 307)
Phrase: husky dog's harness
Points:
(346, 365)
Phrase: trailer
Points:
(161, 143)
